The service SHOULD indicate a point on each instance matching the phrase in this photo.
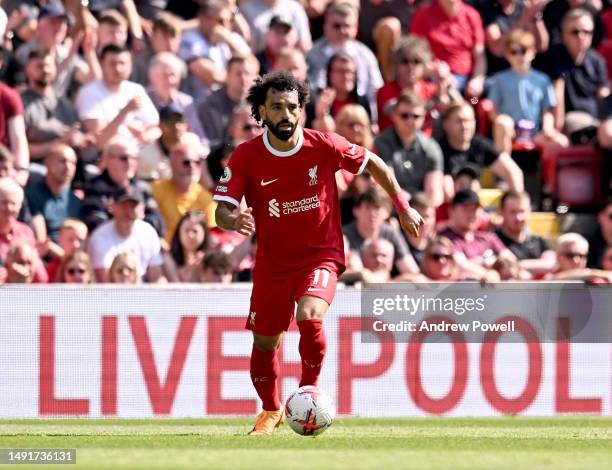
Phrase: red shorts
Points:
(274, 296)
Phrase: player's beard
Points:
(281, 134)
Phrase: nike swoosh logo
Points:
(266, 183)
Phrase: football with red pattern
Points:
(309, 411)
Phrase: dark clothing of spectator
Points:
(99, 193)
(581, 81)
(55, 208)
(410, 164)
(481, 152)
(597, 248)
(531, 248)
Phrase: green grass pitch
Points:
(351, 443)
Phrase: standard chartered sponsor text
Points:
(301, 205)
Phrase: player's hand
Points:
(245, 223)
(411, 221)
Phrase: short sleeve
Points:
(434, 155)
(487, 150)
(232, 185)
(495, 91)
(352, 158)
(12, 104)
(550, 99)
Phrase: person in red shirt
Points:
(456, 36)
(287, 176)
(414, 70)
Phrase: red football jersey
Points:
(294, 197)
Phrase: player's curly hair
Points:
(279, 81)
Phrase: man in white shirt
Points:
(115, 105)
(127, 232)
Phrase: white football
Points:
(309, 411)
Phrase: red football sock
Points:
(264, 372)
(312, 349)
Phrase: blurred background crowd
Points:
(117, 118)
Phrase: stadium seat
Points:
(572, 176)
(544, 224)
(490, 197)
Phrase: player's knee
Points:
(267, 343)
(309, 312)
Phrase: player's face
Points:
(281, 113)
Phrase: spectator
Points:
(183, 192)
(425, 208)
(556, 10)
(114, 105)
(460, 145)
(7, 169)
(215, 111)
(353, 123)
(242, 127)
(76, 268)
(456, 36)
(12, 231)
(217, 267)
(416, 159)
(476, 251)
(340, 90)
(504, 17)
(532, 112)
(154, 158)
(188, 245)
(466, 177)
(602, 236)
(578, 74)
(50, 118)
(119, 162)
(72, 237)
(21, 262)
(281, 33)
(112, 29)
(572, 252)
(165, 37)
(165, 77)
(127, 232)
(412, 65)
(510, 270)
(292, 61)
(533, 253)
(124, 269)
(340, 30)
(439, 261)
(208, 49)
(377, 259)
(51, 200)
(371, 211)
(13, 132)
(259, 14)
(51, 33)
(381, 25)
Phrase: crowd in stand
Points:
(118, 117)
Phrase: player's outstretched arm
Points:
(229, 217)
(410, 219)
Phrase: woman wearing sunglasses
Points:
(76, 268)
